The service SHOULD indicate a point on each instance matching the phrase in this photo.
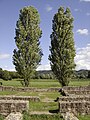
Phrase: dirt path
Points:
(40, 112)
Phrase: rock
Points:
(69, 116)
(14, 116)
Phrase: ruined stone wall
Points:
(27, 89)
(26, 98)
(82, 90)
(13, 106)
(76, 99)
(76, 107)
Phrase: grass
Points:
(45, 83)
(26, 116)
(47, 98)
(79, 82)
(43, 106)
(86, 117)
(8, 92)
(1, 117)
(33, 83)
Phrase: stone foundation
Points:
(76, 107)
(27, 89)
(75, 99)
(26, 98)
(13, 106)
(81, 90)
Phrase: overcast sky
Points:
(9, 14)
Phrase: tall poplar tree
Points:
(28, 53)
(62, 46)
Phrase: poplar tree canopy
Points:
(28, 54)
(62, 46)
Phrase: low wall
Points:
(13, 106)
(27, 89)
(76, 107)
(81, 90)
(74, 88)
(74, 98)
(27, 98)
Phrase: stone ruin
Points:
(27, 89)
(13, 106)
(14, 116)
(75, 99)
(24, 98)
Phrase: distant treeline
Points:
(47, 74)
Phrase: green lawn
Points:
(79, 82)
(43, 106)
(45, 83)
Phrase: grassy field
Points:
(46, 103)
(45, 83)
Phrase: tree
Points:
(28, 53)
(6, 75)
(1, 72)
(88, 74)
(62, 46)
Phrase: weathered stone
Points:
(29, 98)
(81, 90)
(77, 107)
(9, 106)
(27, 89)
(14, 116)
(76, 98)
(69, 116)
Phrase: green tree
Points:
(62, 46)
(88, 74)
(28, 53)
(1, 72)
(6, 75)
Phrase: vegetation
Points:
(46, 103)
(1, 117)
(45, 83)
(85, 117)
(47, 74)
(28, 53)
(62, 46)
(26, 116)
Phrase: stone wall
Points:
(76, 107)
(76, 90)
(13, 106)
(76, 99)
(27, 89)
(26, 98)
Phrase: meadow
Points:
(46, 103)
(45, 83)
